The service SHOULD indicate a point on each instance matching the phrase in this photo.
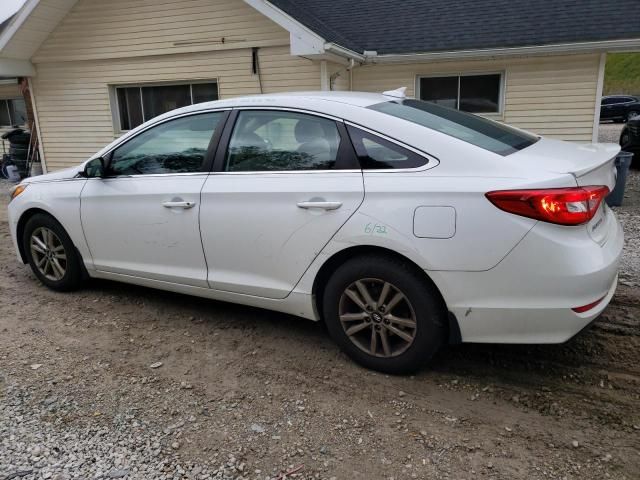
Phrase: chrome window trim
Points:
(289, 109)
(148, 127)
(288, 172)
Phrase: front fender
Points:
(61, 200)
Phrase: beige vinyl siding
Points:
(73, 98)
(553, 96)
(95, 29)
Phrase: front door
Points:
(284, 186)
(142, 219)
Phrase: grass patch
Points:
(622, 74)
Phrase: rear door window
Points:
(272, 140)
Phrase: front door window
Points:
(176, 146)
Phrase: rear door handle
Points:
(181, 204)
(320, 205)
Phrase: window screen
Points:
(138, 104)
(13, 111)
(469, 93)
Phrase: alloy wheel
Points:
(377, 317)
(49, 255)
(631, 115)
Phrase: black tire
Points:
(632, 114)
(422, 298)
(73, 272)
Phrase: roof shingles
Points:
(418, 26)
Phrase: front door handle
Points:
(179, 204)
(320, 205)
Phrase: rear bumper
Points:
(529, 296)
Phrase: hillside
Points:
(622, 74)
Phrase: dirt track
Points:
(276, 393)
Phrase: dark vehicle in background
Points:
(619, 108)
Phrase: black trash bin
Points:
(18, 148)
(623, 162)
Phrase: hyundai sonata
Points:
(403, 225)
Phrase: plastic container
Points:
(623, 162)
(13, 174)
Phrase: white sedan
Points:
(401, 224)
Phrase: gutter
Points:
(582, 47)
(344, 52)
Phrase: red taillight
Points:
(586, 308)
(563, 206)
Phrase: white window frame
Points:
(8, 110)
(501, 93)
(113, 96)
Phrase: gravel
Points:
(35, 444)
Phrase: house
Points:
(96, 69)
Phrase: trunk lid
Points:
(590, 164)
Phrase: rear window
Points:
(484, 133)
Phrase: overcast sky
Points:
(8, 8)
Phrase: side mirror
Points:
(94, 168)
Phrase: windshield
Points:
(484, 133)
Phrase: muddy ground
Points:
(276, 394)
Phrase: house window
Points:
(469, 93)
(13, 111)
(137, 104)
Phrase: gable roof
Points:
(392, 30)
(419, 26)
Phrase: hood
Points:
(66, 174)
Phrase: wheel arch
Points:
(22, 222)
(332, 263)
(24, 218)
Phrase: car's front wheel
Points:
(51, 253)
(384, 313)
(632, 114)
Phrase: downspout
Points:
(599, 88)
(324, 76)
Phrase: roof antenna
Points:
(397, 93)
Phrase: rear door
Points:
(282, 187)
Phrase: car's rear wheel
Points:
(384, 314)
(632, 114)
(51, 253)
